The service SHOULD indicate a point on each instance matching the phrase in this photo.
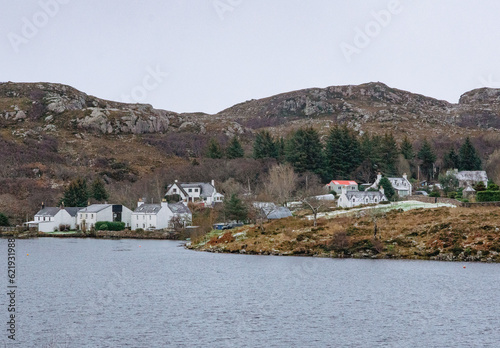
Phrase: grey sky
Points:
(206, 55)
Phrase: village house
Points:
(196, 192)
(271, 211)
(402, 185)
(87, 217)
(50, 219)
(159, 216)
(468, 178)
(337, 185)
(349, 199)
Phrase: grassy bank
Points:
(466, 234)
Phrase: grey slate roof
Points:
(206, 189)
(49, 211)
(472, 175)
(399, 183)
(363, 194)
(279, 213)
(94, 208)
(148, 209)
(179, 208)
(52, 211)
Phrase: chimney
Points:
(43, 205)
(405, 176)
(379, 176)
(88, 203)
(382, 190)
(61, 206)
(344, 190)
(163, 202)
(213, 182)
(176, 181)
(140, 202)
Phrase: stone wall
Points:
(427, 199)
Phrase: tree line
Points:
(344, 154)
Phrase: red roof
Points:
(343, 182)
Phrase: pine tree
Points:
(280, 148)
(4, 221)
(214, 150)
(427, 157)
(343, 153)
(304, 151)
(469, 160)
(99, 191)
(264, 146)
(388, 189)
(76, 194)
(407, 149)
(451, 160)
(390, 153)
(234, 209)
(234, 150)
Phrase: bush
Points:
(435, 194)
(109, 226)
(488, 196)
(452, 195)
(139, 230)
(4, 221)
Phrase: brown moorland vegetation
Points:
(467, 234)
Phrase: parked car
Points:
(232, 225)
(420, 193)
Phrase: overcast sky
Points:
(207, 55)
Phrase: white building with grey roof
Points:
(349, 199)
(401, 185)
(49, 219)
(159, 216)
(196, 192)
(87, 217)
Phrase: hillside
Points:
(51, 133)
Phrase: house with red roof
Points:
(337, 185)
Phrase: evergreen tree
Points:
(264, 146)
(388, 189)
(234, 209)
(492, 186)
(451, 160)
(4, 221)
(343, 153)
(407, 149)
(99, 191)
(469, 160)
(304, 151)
(390, 151)
(234, 150)
(280, 148)
(76, 194)
(427, 158)
(214, 150)
(480, 186)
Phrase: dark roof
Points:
(362, 194)
(179, 208)
(52, 211)
(49, 211)
(279, 213)
(148, 208)
(206, 189)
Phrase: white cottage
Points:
(349, 199)
(338, 185)
(87, 217)
(159, 216)
(49, 219)
(402, 185)
(468, 178)
(197, 192)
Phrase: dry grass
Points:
(442, 233)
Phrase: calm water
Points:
(139, 293)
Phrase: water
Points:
(140, 293)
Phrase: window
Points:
(174, 190)
(91, 216)
(340, 187)
(195, 190)
(149, 217)
(190, 190)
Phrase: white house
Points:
(468, 178)
(87, 217)
(349, 199)
(48, 219)
(198, 192)
(401, 185)
(337, 185)
(159, 216)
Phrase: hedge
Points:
(109, 226)
(488, 196)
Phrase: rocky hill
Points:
(373, 106)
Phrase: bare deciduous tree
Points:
(282, 182)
